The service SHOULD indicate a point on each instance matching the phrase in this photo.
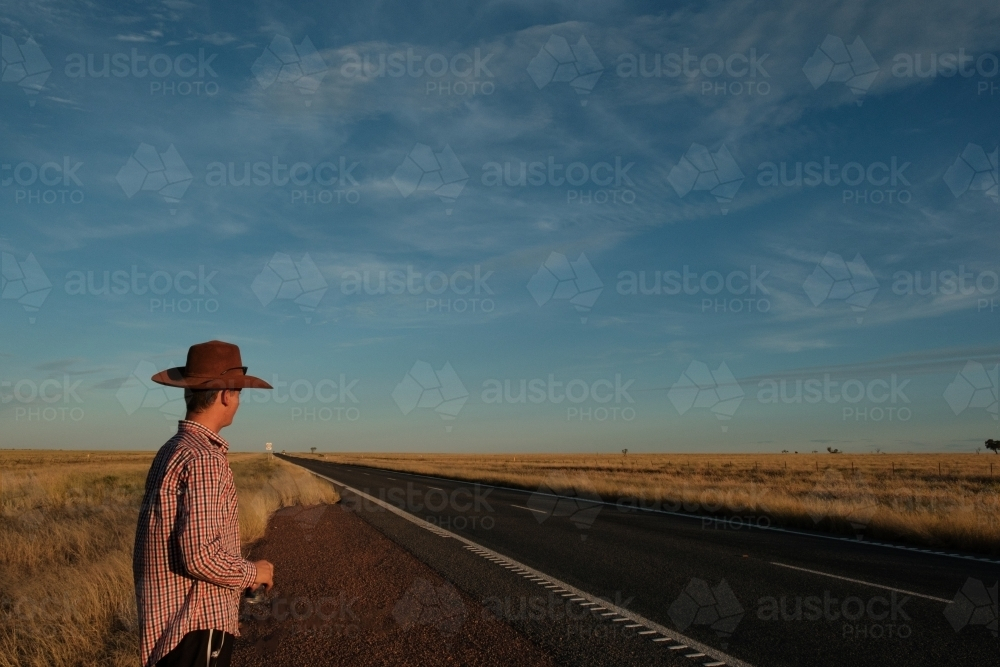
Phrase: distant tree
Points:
(625, 452)
(784, 451)
(312, 449)
(832, 450)
(993, 445)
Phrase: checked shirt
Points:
(187, 566)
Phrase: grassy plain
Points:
(945, 501)
(67, 525)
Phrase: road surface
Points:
(599, 584)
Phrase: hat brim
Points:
(175, 377)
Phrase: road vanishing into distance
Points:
(602, 584)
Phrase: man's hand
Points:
(265, 575)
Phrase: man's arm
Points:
(199, 529)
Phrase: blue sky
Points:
(259, 165)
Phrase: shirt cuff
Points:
(250, 575)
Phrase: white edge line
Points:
(666, 632)
(684, 515)
(864, 583)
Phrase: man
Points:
(187, 566)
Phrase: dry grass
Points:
(949, 501)
(67, 524)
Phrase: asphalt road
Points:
(757, 597)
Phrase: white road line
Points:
(649, 632)
(684, 515)
(529, 509)
(863, 583)
(663, 630)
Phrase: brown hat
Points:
(211, 365)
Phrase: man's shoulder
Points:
(190, 446)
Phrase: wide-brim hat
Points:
(211, 365)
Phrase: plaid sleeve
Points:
(200, 528)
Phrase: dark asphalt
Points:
(684, 575)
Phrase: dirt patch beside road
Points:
(347, 595)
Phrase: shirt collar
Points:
(213, 437)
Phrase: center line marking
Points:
(529, 509)
(864, 583)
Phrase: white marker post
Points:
(267, 448)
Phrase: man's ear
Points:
(226, 397)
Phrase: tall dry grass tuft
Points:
(67, 525)
(268, 484)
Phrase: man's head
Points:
(212, 406)
(212, 379)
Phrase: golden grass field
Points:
(67, 526)
(945, 501)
